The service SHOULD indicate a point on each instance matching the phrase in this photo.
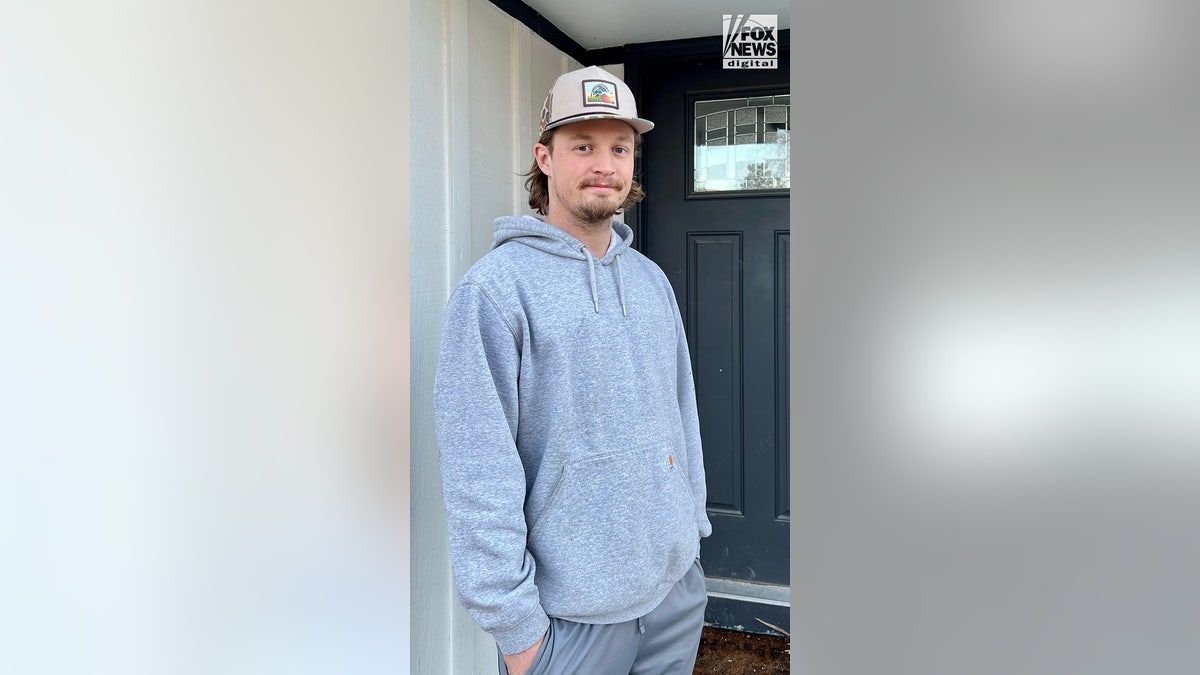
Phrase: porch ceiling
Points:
(620, 22)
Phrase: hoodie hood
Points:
(543, 236)
(546, 237)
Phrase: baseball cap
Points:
(590, 93)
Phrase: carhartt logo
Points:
(750, 41)
(600, 92)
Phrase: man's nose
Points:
(603, 165)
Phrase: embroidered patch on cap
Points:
(601, 93)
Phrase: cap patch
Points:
(600, 93)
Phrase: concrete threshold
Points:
(748, 591)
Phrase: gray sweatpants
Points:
(664, 642)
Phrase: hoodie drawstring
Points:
(592, 277)
(621, 286)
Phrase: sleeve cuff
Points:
(524, 634)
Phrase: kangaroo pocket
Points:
(617, 527)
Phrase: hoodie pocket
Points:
(680, 476)
(616, 526)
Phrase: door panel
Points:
(783, 370)
(713, 326)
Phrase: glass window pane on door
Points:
(742, 144)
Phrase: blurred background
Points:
(997, 337)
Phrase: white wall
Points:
(480, 79)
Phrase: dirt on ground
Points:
(729, 652)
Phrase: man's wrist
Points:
(519, 664)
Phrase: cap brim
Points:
(639, 125)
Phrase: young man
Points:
(566, 418)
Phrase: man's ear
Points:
(541, 154)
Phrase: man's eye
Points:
(583, 148)
(620, 151)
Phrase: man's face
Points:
(590, 171)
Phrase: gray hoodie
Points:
(568, 439)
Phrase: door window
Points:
(741, 145)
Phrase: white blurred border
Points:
(204, 362)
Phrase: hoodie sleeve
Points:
(688, 414)
(483, 481)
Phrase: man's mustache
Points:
(615, 184)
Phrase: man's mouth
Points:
(602, 186)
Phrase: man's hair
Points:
(538, 183)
